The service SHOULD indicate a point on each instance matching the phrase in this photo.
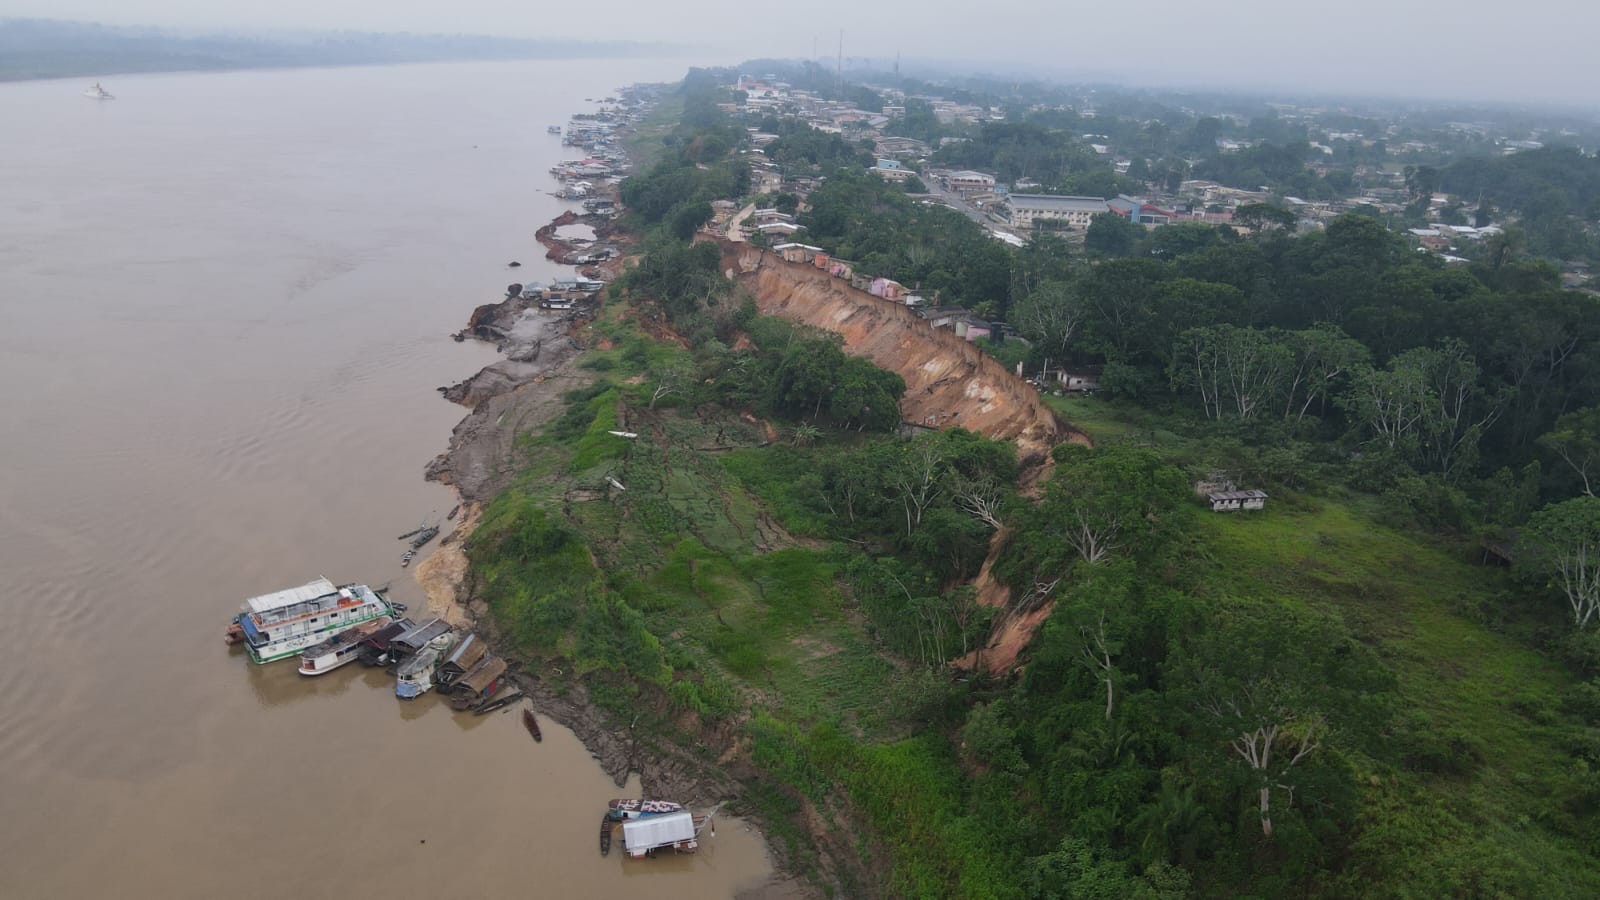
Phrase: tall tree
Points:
(1099, 502)
(1428, 404)
(1561, 547)
(1272, 686)
(1236, 371)
(1324, 356)
(1576, 440)
(1112, 235)
(1050, 317)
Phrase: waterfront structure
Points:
(281, 624)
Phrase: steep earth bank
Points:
(949, 383)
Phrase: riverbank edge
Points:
(524, 403)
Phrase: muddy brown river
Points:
(225, 302)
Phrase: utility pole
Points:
(838, 70)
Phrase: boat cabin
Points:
(415, 676)
(375, 646)
(675, 831)
(420, 636)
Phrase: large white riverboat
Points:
(281, 624)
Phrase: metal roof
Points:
(1237, 495)
(422, 634)
(467, 654)
(311, 590)
(1058, 203)
(658, 831)
(482, 675)
(381, 638)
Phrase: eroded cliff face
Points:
(949, 382)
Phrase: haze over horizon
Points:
(1466, 51)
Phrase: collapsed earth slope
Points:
(949, 382)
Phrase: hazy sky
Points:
(1539, 51)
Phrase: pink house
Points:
(888, 289)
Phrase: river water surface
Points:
(225, 302)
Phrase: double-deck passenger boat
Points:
(344, 647)
(282, 624)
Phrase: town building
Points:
(1140, 212)
(891, 170)
(1027, 210)
(969, 182)
(796, 253)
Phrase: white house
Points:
(1074, 212)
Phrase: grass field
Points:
(1492, 822)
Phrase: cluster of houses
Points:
(1016, 210)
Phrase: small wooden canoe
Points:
(605, 835)
(532, 724)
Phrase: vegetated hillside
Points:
(949, 381)
(1330, 697)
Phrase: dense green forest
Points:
(1332, 697)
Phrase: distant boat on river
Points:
(99, 93)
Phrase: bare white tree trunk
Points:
(1098, 658)
(1093, 542)
(980, 499)
(918, 483)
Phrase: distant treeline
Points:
(45, 48)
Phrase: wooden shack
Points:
(1233, 501)
(477, 685)
(462, 659)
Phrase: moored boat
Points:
(531, 722)
(407, 557)
(499, 702)
(678, 831)
(341, 649)
(415, 676)
(282, 624)
(434, 632)
(424, 536)
(640, 809)
(375, 646)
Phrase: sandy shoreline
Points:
(512, 396)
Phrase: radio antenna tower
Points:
(838, 71)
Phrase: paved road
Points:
(955, 200)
